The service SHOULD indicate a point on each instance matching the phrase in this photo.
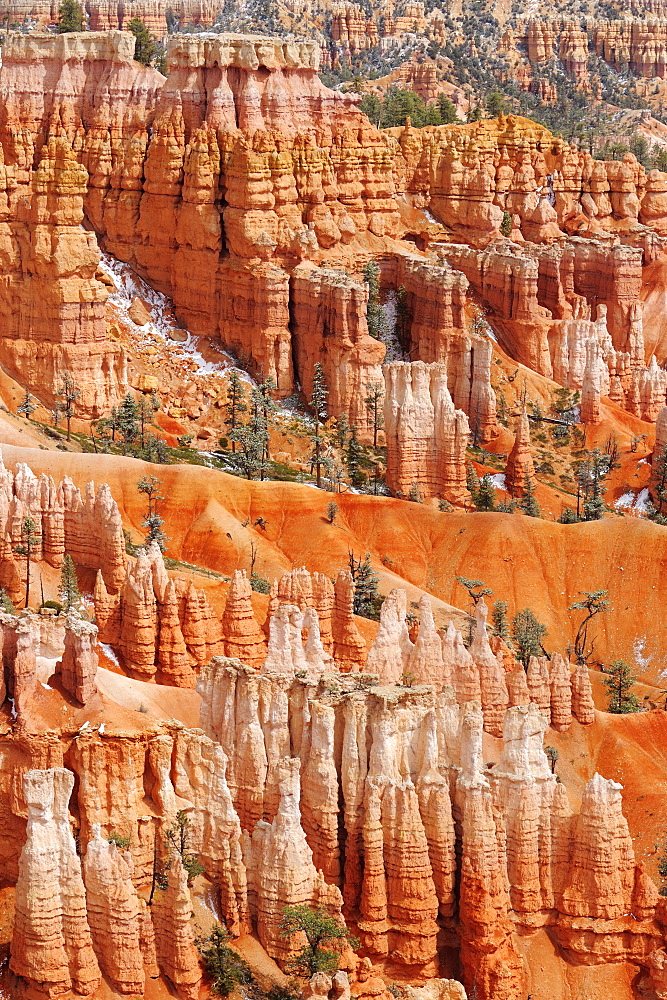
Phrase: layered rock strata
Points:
(255, 177)
(161, 627)
(426, 436)
(88, 527)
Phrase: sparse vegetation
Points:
(325, 938)
(619, 681)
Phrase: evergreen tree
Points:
(29, 538)
(70, 17)
(477, 589)
(70, 595)
(6, 603)
(28, 405)
(69, 395)
(448, 115)
(590, 475)
(472, 481)
(506, 224)
(619, 682)
(152, 522)
(227, 969)
(342, 431)
(128, 420)
(528, 504)
(374, 311)
(403, 318)
(263, 408)
(318, 404)
(373, 401)
(552, 756)
(366, 586)
(144, 45)
(593, 603)
(325, 939)
(415, 494)
(251, 447)
(495, 104)
(501, 626)
(235, 405)
(353, 456)
(177, 838)
(659, 494)
(332, 511)
(485, 498)
(527, 635)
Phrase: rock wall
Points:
(87, 528)
(426, 436)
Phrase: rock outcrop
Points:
(520, 460)
(426, 436)
(51, 944)
(161, 627)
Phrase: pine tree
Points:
(366, 586)
(152, 522)
(29, 538)
(403, 318)
(28, 405)
(593, 603)
(618, 682)
(128, 420)
(70, 595)
(264, 408)
(70, 17)
(374, 311)
(501, 625)
(144, 45)
(235, 405)
(353, 456)
(332, 511)
(69, 395)
(373, 401)
(660, 478)
(485, 498)
(527, 635)
(528, 504)
(342, 431)
(472, 481)
(318, 404)
(552, 756)
(590, 476)
(506, 224)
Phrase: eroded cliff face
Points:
(323, 773)
(252, 195)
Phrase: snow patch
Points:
(498, 480)
(627, 500)
(109, 653)
(639, 653)
(129, 286)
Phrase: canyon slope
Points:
(318, 443)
